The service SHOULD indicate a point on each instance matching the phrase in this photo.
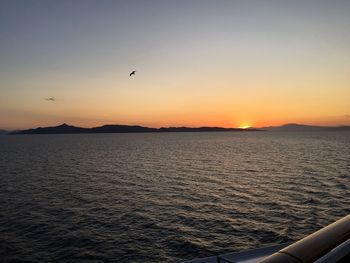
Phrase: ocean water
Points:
(166, 197)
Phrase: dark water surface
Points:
(166, 197)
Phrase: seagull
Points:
(132, 73)
(50, 99)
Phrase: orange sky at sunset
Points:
(198, 63)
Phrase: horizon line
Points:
(180, 126)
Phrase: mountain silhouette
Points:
(115, 128)
(294, 127)
(65, 129)
(201, 129)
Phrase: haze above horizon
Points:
(197, 63)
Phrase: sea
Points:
(166, 197)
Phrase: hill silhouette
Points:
(294, 127)
(115, 128)
(65, 129)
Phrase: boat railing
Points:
(314, 246)
(329, 244)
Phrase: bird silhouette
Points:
(50, 99)
(132, 73)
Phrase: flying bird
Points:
(50, 99)
(132, 73)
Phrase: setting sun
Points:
(244, 126)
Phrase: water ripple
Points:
(166, 197)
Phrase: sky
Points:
(199, 63)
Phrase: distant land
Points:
(65, 128)
(293, 127)
(2, 132)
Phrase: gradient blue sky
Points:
(225, 63)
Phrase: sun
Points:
(244, 126)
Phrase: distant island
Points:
(69, 129)
(65, 129)
(294, 127)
